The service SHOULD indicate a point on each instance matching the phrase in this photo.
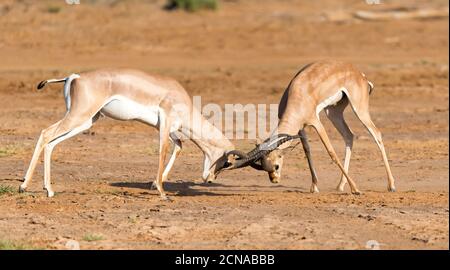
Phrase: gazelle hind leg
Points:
(326, 142)
(51, 145)
(360, 107)
(37, 152)
(305, 144)
(364, 116)
(336, 116)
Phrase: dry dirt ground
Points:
(245, 52)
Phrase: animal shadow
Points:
(180, 188)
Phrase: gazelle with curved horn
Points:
(254, 158)
(329, 86)
(132, 95)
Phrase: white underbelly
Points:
(332, 100)
(121, 108)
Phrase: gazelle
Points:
(329, 86)
(132, 95)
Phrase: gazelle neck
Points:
(208, 138)
(287, 127)
(212, 142)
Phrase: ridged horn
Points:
(256, 154)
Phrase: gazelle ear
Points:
(223, 163)
(231, 158)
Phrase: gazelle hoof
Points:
(340, 188)
(22, 189)
(392, 189)
(314, 189)
(50, 193)
(357, 192)
(153, 186)
(166, 198)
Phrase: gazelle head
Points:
(272, 164)
(265, 156)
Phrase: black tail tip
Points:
(41, 84)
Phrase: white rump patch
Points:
(67, 89)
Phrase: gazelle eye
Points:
(277, 167)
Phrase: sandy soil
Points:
(244, 52)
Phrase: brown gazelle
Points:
(132, 95)
(329, 86)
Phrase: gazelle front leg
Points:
(305, 144)
(177, 146)
(176, 151)
(163, 149)
(326, 142)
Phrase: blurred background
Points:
(235, 51)
(230, 51)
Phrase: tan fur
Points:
(314, 84)
(91, 92)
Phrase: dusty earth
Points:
(245, 52)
